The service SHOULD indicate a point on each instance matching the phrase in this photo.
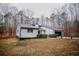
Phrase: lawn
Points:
(39, 47)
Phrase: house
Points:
(46, 30)
(31, 31)
(26, 31)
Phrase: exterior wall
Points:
(42, 32)
(25, 34)
(48, 31)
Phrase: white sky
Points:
(39, 8)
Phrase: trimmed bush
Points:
(42, 36)
(53, 35)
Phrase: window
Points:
(29, 30)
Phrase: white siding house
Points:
(31, 31)
(26, 31)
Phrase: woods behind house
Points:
(65, 20)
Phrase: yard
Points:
(39, 47)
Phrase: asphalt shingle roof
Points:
(28, 26)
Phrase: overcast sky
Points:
(40, 8)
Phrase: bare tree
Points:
(52, 19)
(37, 20)
(28, 12)
(4, 8)
(13, 10)
(58, 18)
(64, 23)
(42, 20)
(1, 25)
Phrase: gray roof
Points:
(28, 26)
(48, 27)
(41, 29)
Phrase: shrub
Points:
(53, 35)
(42, 36)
